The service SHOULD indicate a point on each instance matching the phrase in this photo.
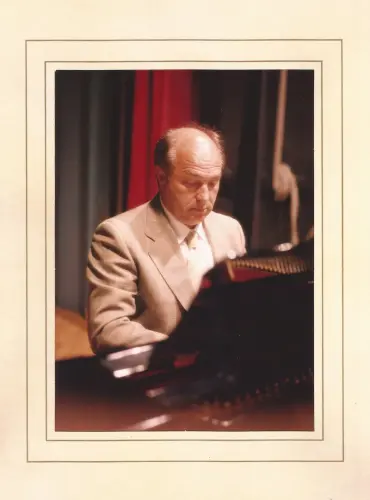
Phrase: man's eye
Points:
(191, 185)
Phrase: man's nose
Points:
(203, 193)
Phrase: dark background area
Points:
(94, 116)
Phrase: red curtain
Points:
(162, 99)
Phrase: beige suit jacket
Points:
(138, 279)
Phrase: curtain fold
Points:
(85, 154)
(162, 99)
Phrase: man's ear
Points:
(161, 176)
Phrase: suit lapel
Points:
(165, 252)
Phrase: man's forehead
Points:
(193, 149)
(201, 173)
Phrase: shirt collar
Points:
(181, 230)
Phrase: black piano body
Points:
(245, 345)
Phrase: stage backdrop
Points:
(107, 123)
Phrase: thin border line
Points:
(186, 40)
(180, 40)
(322, 248)
(45, 194)
(46, 257)
(231, 462)
(26, 151)
(128, 61)
(159, 439)
(342, 173)
(184, 440)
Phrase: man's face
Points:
(190, 189)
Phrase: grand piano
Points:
(241, 359)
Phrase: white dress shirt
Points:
(200, 259)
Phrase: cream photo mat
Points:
(345, 20)
(43, 58)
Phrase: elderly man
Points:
(145, 265)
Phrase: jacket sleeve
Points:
(112, 277)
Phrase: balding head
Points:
(179, 140)
(189, 162)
